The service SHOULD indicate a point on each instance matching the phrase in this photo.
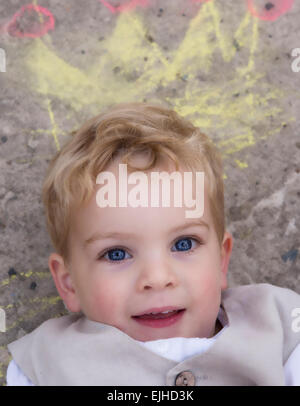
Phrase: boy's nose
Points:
(157, 275)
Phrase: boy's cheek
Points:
(102, 303)
(210, 285)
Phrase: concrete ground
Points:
(226, 65)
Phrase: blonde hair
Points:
(127, 129)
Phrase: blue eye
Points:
(116, 254)
(119, 254)
(184, 244)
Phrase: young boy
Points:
(146, 284)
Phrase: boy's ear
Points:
(63, 282)
(226, 250)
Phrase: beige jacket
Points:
(72, 350)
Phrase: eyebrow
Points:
(115, 234)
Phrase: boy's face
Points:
(156, 268)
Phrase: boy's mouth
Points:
(158, 313)
(159, 317)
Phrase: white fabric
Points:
(180, 348)
(176, 349)
(15, 377)
(292, 368)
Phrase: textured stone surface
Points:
(219, 63)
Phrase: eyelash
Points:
(187, 252)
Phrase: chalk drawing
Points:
(264, 10)
(7, 281)
(54, 130)
(43, 304)
(127, 6)
(271, 10)
(241, 164)
(24, 22)
(213, 105)
(200, 1)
